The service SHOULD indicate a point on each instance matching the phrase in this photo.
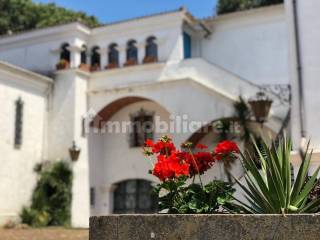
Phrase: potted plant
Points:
(131, 62)
(174, 167)
(95, 67)
(62, 64)
(84, 67)
(275, 207)
(112, 66)
(150, 59)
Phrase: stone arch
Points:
(151, 50)
(132, 52)
(65, 52)
(198, 135)
(95, 57)
(115, 106)
(83, 54)
(113, 55)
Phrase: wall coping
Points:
(205, 227)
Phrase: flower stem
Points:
(195, 163)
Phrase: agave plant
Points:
(271, 189)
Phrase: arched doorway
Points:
(134, 196)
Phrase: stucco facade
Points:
(33, 90)
(201, 69)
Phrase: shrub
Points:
(51, 199)
(270, 190)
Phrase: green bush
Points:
(227, 6)
(51, 199)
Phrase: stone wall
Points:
(204, 227)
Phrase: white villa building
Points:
(170, 67)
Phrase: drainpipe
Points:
(300, 77)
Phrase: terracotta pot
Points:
(62, 64)
(112, 66)
(130, 62)
(95, 68)
(150, 59)
(84, 67)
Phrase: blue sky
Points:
(110, 11)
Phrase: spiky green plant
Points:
(270, 190)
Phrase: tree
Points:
(19, 15)
(227, 6)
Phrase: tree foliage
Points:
(227, 6)
(51, 199)
(19, 15)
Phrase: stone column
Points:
(141, 51)
(103, 57)
(69, 104)
(122, 55)
(75, 56)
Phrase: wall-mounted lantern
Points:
(260, 106)
(74, 152)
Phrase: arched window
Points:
(84, 54)
(95, 59)
(132, 53)
(134, 196)
(142, 127)
(113, 55)
(65, 53)
(151, 50)
(18, 123)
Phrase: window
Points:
(142, 128)
(18, 123)
(65, 53)
(132, 51)
(151, 50)
(113, 55)
(187, 45)
(83, 127)
(134, 196)
(95, 56)
(92, 197)
(84, 54)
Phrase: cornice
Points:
(24, 77)
(13, 69)
(45, 34)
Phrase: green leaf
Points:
(270, 190)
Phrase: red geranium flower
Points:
(201, 146)
(164, 146)
(170, 167)
(226, 150)
(199, 162)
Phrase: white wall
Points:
(252, 44)
(117, 161)
(38, 50)
(309, 36)
(167, 31)
(17, 178)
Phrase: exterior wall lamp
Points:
(74, 152)
(260, 106)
